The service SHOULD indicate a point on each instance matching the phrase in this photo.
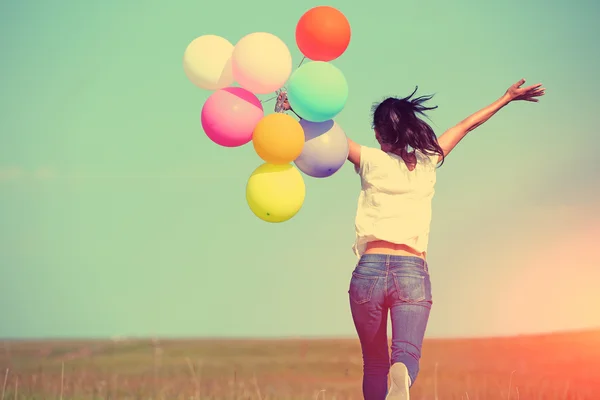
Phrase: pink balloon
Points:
(230, 115)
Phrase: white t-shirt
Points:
(394, 203)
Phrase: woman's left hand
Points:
(529, 93)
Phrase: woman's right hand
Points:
(529, 93)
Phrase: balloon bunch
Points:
(317, 91)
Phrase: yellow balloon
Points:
(278, 139)
(207, 62)
(275, 193)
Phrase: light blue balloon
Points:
(325, 149)
(317, 91)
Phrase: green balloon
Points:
(317, 91)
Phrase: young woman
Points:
(392, 233)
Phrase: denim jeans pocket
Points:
(410, 288)
(361, 288)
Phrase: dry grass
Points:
(562, 366)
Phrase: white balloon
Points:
(262, 63)
(207, 62)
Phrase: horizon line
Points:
(117, 338)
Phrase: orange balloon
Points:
(323, 33)
(278, 139)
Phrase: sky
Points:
(119, 217)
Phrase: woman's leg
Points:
(367, 295)
(410, 305)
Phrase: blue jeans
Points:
(400, 285)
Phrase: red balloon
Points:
(323, 33)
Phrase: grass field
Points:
(558, 366)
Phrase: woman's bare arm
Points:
(454, 135)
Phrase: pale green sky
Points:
(120, 217)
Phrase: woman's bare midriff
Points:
(383, 247)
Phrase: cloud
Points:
(11, 173)
(16, 173)
(48, 173)
(45, 173)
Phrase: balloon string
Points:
(277, 92)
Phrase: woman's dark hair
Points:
(399, 126)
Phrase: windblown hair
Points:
(399, 126)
